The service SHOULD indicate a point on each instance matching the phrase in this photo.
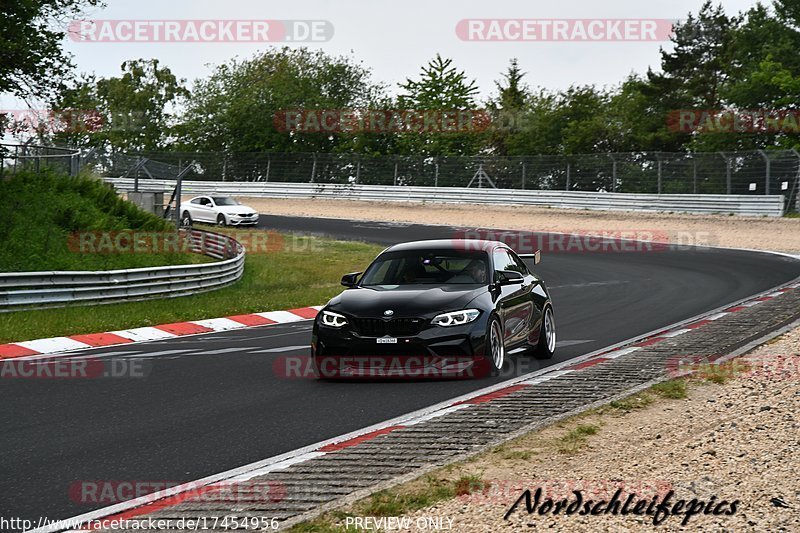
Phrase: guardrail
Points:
(21, 290)
(750, 205)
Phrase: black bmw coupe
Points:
(439, 308)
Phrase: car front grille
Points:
(396, 327)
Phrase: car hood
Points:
(236, 209)
(405, 301)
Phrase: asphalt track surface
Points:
(214, 402)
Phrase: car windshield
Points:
(430, 267)
(225, 200)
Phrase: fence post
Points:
(523, 174)
(768, 164)
(269, 161)
(314, 168)
(178, 192)
(727, 172)
(795, 187)
(358, 169)
(613, 173)
(436, 176)
(694, 175)
(658, 157)
(568, 176)
(395, 173)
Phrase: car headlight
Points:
(333, 320)
(456, 318)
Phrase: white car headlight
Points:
(456, 318)
(333, 320)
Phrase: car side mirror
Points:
(509, 277)
(350, 280)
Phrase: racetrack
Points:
(214, 402)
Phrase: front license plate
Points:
(387, 340)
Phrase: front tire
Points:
(546, 346)
(221, 221)
(495, 347)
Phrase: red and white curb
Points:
(173, 496)
(56, 345)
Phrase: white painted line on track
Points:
(158, 354)
(547, 377)
(562, 344)
(283, 349)
(277, 466)
(675, 333)
(620, 353)
(436, 414)
(224, 350)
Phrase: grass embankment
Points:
(305, 271)
(41, 212)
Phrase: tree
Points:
(239, 107)
(33, 63)
(697, 69)
(134, 109)
(507, 107)
(447, 96)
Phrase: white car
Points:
(219, 210)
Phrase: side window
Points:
(203, 201)
(519, 264)
(502, 261)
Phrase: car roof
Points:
(448, 244)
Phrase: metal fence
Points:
(750, 205)
(746, 172)
(733, 173)
(21, 290)
(18, 157)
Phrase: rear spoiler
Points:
(536, 256)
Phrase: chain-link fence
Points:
(15, 158)
(752, 172)
(746, 172)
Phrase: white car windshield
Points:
(225, 200)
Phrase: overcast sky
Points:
(396, 38)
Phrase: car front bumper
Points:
(235, 220)
(434, 352)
